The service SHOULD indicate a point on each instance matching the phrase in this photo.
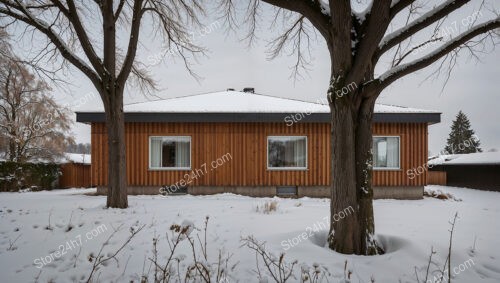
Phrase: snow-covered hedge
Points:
(35, 176)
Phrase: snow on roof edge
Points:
(477, 158)
(241, 102)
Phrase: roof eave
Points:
(137, 117)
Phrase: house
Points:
(253, 144)
(480, 170)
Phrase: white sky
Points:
(473, 87)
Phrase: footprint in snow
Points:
(51, 265)
(66, 267)
(492, 267)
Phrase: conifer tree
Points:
(462, 138)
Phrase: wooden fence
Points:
(75, 175)
(436, 178)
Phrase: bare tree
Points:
(356, 42)
(81, 30)
(32, 124)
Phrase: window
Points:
(386, 152)
(170, 153)
(287, 152)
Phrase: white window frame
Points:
(286, 168)
(161, 160)
(399, 154)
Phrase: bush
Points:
(34, 176)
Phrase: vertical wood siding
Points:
(436, 178)
(413, 153)
(247, 145)
(75, 175)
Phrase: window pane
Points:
(287, 152)
(170, 152)
(155, 158)
(386, 152)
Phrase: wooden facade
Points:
(247, 145)
(75, 175)
(436, 178)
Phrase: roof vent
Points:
(230, 89)
(249, 89)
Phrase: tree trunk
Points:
(12, 146)
(112, 96)
(344, 236)
(117, 173)
(364, 167)
(351, 214)
(14, 138)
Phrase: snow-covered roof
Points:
(239, 102)
(76, 158)
(465, 159)
(66, 158)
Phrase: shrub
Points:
(34, 176)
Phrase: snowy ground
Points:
(407, 228)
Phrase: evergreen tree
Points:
(462, 138)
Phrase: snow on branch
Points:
(422, 22)
(399, 71)
(399, 5)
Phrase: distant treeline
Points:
(83, 148)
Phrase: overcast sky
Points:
(473, 87)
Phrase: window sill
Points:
(387, 169)
(170, 169)
(288, 169)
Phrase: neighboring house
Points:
(75, 171)
(248, 143)
(479, 170)
(70, 170)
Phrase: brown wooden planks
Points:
(247, 144)
(75, 175)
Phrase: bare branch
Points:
(417, 25)
(87, 47)
(402, 70)
(27, 17)
(137, 14)
(119, 9)
(297, 35)
(400, 6)
(312, 10)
